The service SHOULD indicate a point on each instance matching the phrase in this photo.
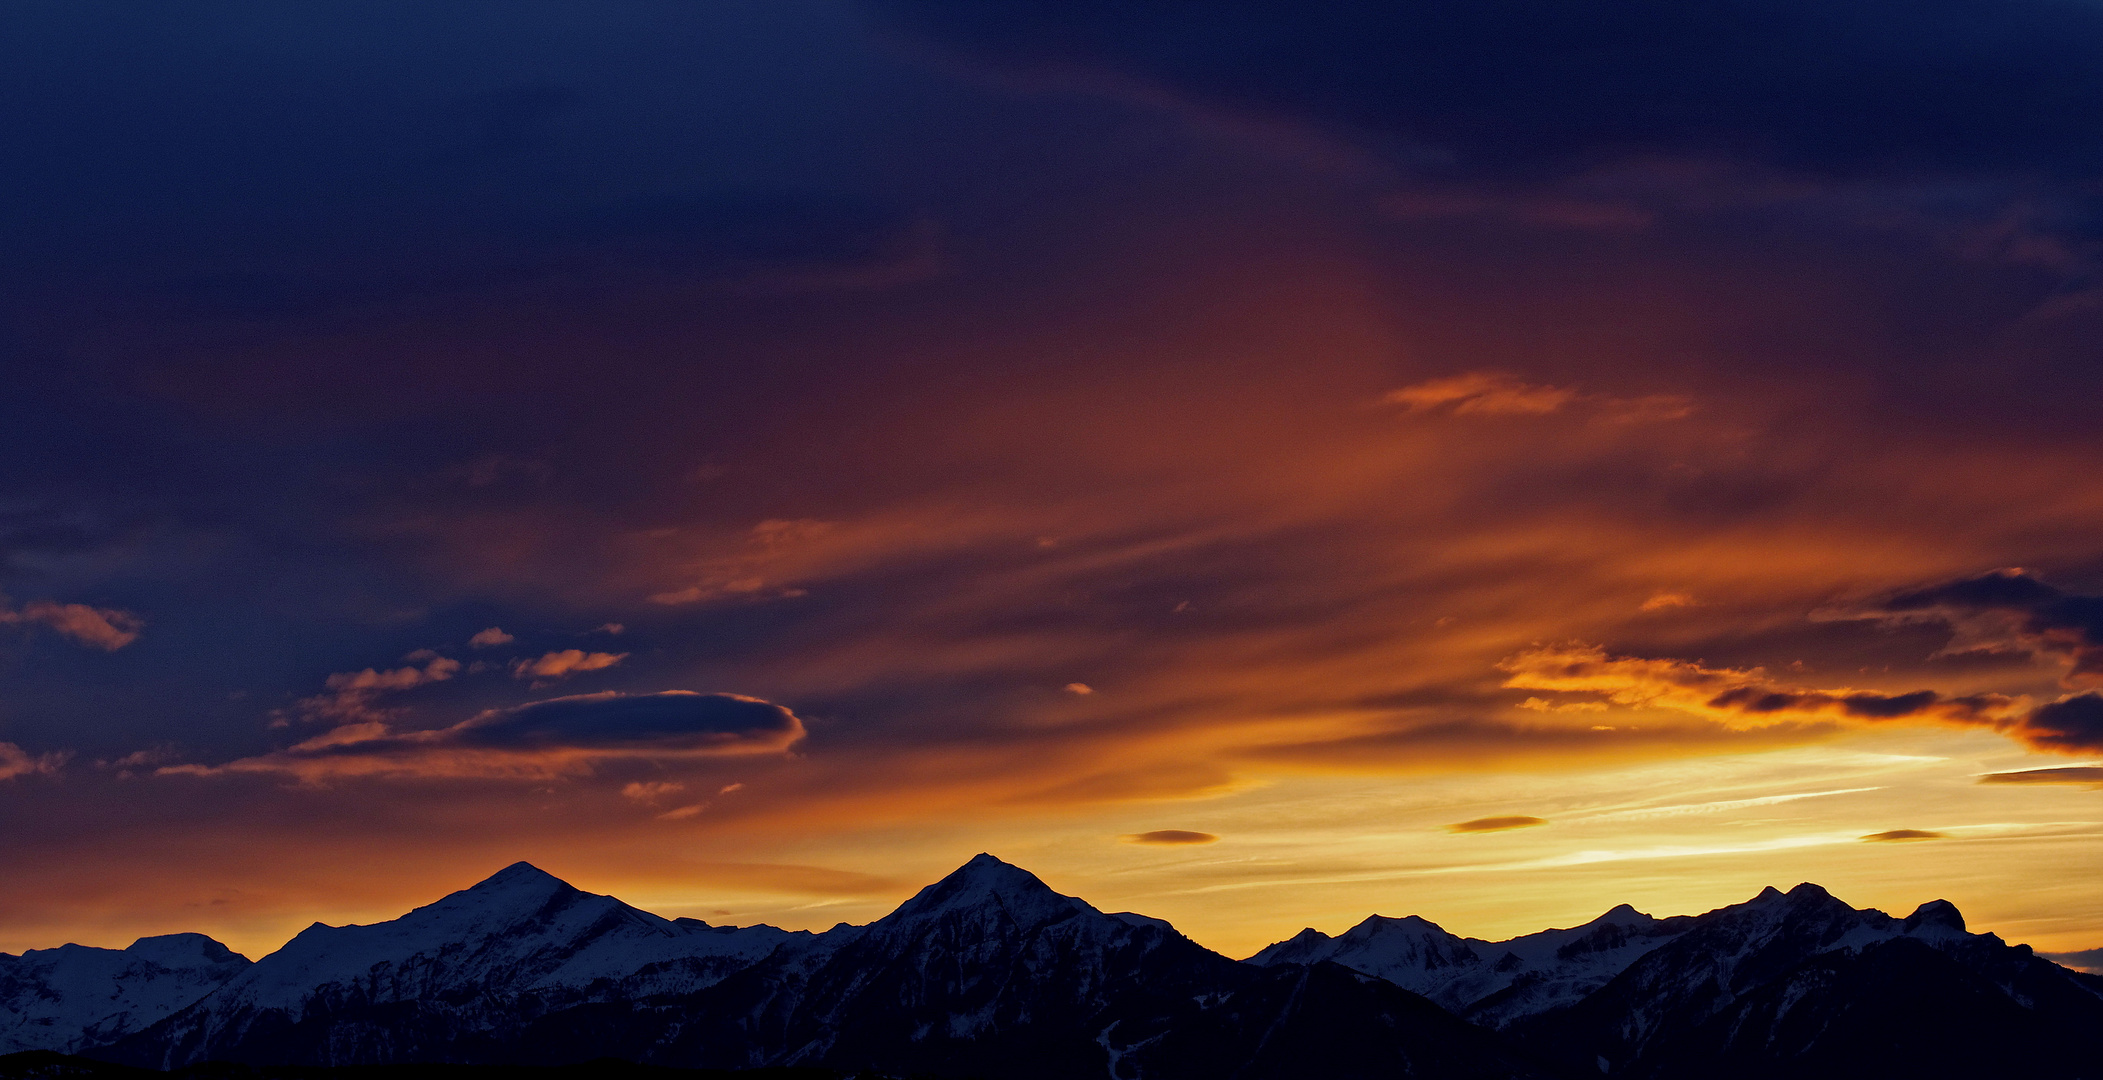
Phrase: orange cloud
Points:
(565, 663)
(651, 792)
(1483, 392)
(1901, 836)
(104, 628)
(489, 638)
(1742, 697)
(1749, 698)
(352, 694)
(1496, 393)
(1171, 837)
(1496, 824)
(14, 762)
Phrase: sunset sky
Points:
(1254, 463)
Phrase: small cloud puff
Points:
(352, 695)
(560, 736)
(490, 638)
(564, 663)
(1901, 836)
(1666, 600)
(1079, 689)
(15, 761)
(104, 628)
(651, 792)
(1496, 824)
(1171, 837)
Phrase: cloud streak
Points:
(564, 663)
(556, 737)
(1496, 824)
(1750, 698)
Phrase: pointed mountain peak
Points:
(1622, 915)
(1307, 943)
(986, 867)
(518, 875)
(1767, 895)
(1809, 891)
(1936, 913)
(987, 882)
(986, 874)
(512, 893)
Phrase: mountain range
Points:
(990, 973)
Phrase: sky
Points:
(1258, 464)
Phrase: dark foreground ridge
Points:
(989, 973)
(50, 1065)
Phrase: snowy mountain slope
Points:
(470, 964)
(1490, 982)
(978, 972)
(991, 973)
(75, 996)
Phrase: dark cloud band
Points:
(560, 735)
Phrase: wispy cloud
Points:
(1496, 393)
(103, 628)
(559, 736)
(564, 663)
(354, 695)
(2084, 775)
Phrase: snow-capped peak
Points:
(988, 883)
(521, 928)
(1622, 915)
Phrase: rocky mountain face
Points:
(74, 996)
(990, 973)
(1799, 984)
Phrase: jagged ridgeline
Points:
(989, 973)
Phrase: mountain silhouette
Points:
(990, 973)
